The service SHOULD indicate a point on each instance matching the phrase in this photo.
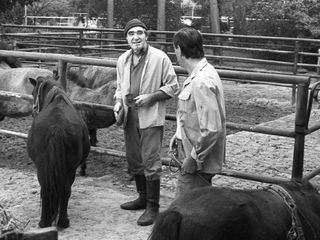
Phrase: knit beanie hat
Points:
(133, 23)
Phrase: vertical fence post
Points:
(39, 44)
(14, 44)
(62, 65)
(295, 70)
(300, 128)
(80, 41)
(318, 63)
(101, 44)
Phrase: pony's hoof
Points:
(43, 225)
(63, 223)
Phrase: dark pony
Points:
(80, 89)
(58, 143)
(287, 211)
(12, 62)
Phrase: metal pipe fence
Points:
(303, 106)
(293, 54)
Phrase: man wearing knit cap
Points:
(145, 79)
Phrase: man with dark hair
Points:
(201, 121)
(145, 79)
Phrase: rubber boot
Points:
(140, 202)
(152, 210)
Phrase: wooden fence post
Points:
(63, 73)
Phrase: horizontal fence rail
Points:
(303, 106)
(291, 55)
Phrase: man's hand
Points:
(172, 142)
(116, 109)
(189, 165)
(143, 100)
(150, 98)
(173, 147)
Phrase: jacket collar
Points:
(203, 62)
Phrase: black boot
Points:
(152, 209)
(140, 202)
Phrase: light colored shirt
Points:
(157, 74)
(201, 120)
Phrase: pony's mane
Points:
(55, 90)
(77, 78)
(49, 82)
(299, 184)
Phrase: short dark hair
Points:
(190, 42)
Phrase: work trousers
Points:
(186, 181)
(143, 147)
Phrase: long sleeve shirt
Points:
(157, 74)
(201, 122)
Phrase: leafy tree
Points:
(12, 11)
(124, 10)
(49, 8)
(146, 10)
(15, 11)
(295, 18)
(8, 5)
(80, 6)
(202, 9)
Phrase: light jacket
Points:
(201, 120)
(157, 74)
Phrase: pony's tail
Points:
(54, 172)
(167, 226)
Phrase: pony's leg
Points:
(83, 168)
(45, 220)
(63, 221)
(93, 137)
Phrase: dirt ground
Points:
(94, 206)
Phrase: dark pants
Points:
(143, 147)
(188, 181)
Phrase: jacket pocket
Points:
(184, 101)
(185, 107)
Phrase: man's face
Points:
(137, 39)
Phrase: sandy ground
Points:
(94, 205)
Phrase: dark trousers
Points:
(187, 182)
(143, 147)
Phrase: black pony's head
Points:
(41, 86)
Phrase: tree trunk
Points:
(214, 16)
(239, 21)
(161, 23)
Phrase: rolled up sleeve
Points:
(170, 84)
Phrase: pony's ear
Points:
(55, 74)
(33, 81)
